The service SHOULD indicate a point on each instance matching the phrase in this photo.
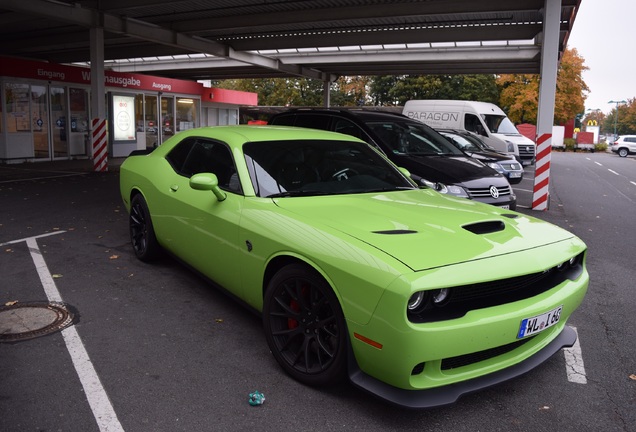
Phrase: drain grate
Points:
(23, 321)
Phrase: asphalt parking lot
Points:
(155, 348)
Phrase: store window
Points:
(17, 100)
(79, 110)
(167, 117)
(139, 113)
(40, 121)
(1, 117)
(150, 120)
(187, 109)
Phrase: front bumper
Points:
(449, 394)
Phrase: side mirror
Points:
(404, 171)
(207, 182)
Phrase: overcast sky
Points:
(604, 34)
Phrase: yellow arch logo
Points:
(592, 123)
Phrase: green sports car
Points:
(416, 296)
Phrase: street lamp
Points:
(616, 116)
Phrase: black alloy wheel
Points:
(142, 234)
(304, 326)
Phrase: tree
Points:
(297, 91)
(520, 93)
(396, 90)
(626, 124)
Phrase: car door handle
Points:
(174, 188)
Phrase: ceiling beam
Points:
(88, 18)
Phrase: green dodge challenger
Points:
(416, 296)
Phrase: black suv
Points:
(429, 157)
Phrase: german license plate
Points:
(536, 324)
(515, 174)
(505, 207)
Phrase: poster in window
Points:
(124, 118)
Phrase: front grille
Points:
(485, 192)
(468, 359)
(510, 166)
(464, 298)
(526, 151)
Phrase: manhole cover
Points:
(22, 321)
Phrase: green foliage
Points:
(600, 147)
(396, 90)
(626, 124)
(570, 144)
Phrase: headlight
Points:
(452, 190)
(495, 166)
(446, 189)
(440, 296)
(416, 301)
(511, 146)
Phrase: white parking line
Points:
(103, 411)
(634, 183)
(598, 163)
(613, 172)
(574, 363)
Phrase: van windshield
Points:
(500, 124)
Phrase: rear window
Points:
(313, 121)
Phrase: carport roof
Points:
(322, 39)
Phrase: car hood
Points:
(444, 169)
(489, 156)
(424, 229)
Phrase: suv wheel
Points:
(622, 152)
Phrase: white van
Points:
(483, 118)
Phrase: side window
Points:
(472, 124)
(313, 121)
(205, 156)
(630, 139)
(347, 127)
(179, 154)
(285, 120)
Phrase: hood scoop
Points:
(485, 227)
(396, 231)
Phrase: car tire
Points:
(622, 152)
(142, 233)
(304, 326)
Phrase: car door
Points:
(201, 230)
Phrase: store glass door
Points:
(60, 124)
(167, 118)
(40, 119)
(78, 138)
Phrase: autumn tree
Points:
(626, 121)
(298, 91)
(520, 93)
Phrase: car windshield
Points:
(319, 167)
(462, 142)
(500, 124)
(411, 138)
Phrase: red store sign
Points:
(73, 74)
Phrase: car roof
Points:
(240, 134)
(351, 113)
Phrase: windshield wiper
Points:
(389, 189)
(297, 193)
